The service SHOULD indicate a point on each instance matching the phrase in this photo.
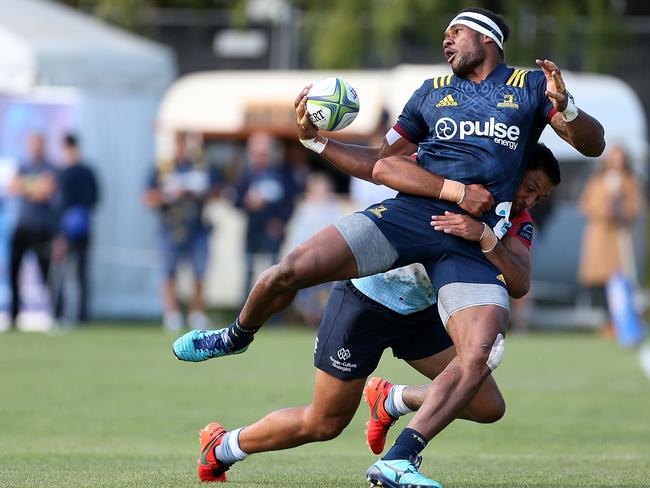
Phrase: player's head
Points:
(541, 176)
(471, 35)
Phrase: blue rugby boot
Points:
(201, 345)
(398, 473)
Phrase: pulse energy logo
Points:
(447, 128)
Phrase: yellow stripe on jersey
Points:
(512, 77)
(522, 78)
(517, 78)
(440, 81)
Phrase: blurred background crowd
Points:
(149, 167)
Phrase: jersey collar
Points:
(499, 74)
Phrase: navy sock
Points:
(407, 446)
(238, 337)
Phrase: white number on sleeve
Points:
(502, 226)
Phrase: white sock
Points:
(228, 451)
(234, 444)
(398, 402)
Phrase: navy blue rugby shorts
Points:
(355, 330)
(402, 234)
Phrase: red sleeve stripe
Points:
(551, 113)
(403, 133)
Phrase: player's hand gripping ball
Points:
(332, 104)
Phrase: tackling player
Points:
(368, 315)
(476, 126)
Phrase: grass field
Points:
(111, 407)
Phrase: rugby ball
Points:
(332, 104)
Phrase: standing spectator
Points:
(179, 189)
(35, 187)
(318, 208)
(265, 193)
(79, 194)
(610, 202)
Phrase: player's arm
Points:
(573, 125)
(397, 172)
(512, 258)
(402, 174)
(510, 255)
(357, 161)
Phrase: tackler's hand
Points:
(458, 225)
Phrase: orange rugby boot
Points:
(379, 421)
(208, 467)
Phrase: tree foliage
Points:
(582, 34)
(340, 34)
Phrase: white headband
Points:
(479, 23)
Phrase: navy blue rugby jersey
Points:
(479, 132)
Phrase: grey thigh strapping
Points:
(372, 251)
(458, 296)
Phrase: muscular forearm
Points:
(510, 256)
(401, 174)
(515, 268)
(584, 133)
(357, 161)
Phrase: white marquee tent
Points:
(119, 79)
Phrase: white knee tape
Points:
(497, 352)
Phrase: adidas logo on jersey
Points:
(448, 101)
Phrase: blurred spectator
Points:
(35, 187)
(178, 189)
(79, 193)
(319, 208)
(297, 168)
(610, 202)
(266, 193)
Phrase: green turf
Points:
(111, 407)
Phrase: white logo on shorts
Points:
(315, 345)
(343, 354)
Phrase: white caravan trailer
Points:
(226, 106)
